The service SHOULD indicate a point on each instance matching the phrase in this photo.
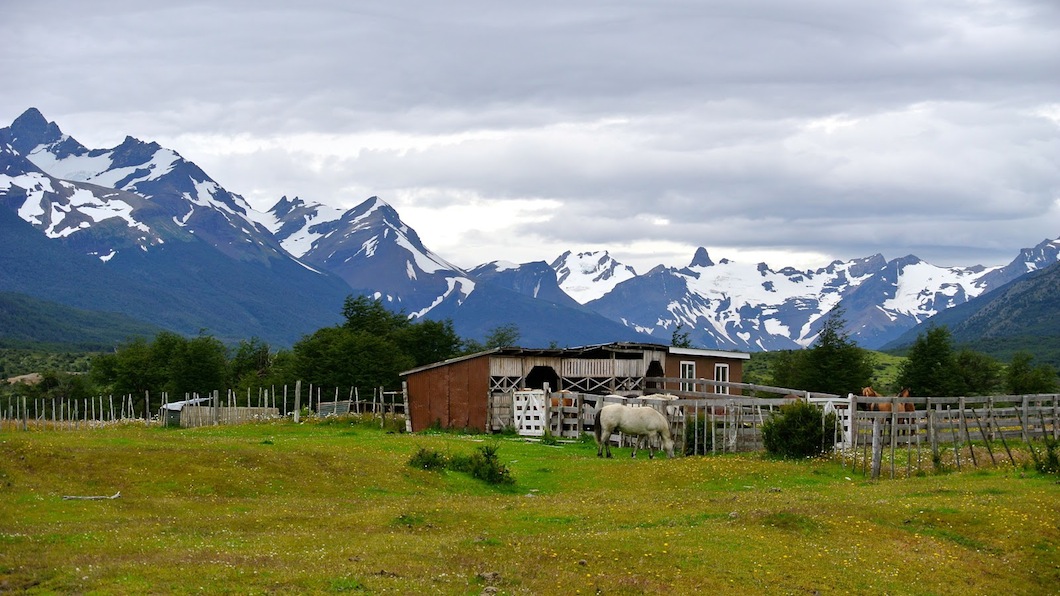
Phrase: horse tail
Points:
(597, 430)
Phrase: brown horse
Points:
(869, 392)
(903, 406)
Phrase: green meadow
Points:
(334, 507)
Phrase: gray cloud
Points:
(820, 128)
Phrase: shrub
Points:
(799, 430)
(484, 465)
(1048, 462)
(698, 438)
(428, 459)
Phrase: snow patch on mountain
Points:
(923, 289)
(586, 276)
(456, 285)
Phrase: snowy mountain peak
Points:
(587, 276)
(143, 193)
(32, 130)
(370, 248)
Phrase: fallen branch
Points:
(114, 496)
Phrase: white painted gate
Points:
(528, 408)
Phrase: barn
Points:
(476, 391)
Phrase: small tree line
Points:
(932, 367)
(369, 348)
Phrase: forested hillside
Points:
(27, 322)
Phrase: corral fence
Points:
(962, 431)
(20, 412)
(720, 417)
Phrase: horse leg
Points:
(605, 440)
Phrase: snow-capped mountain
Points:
(188, 254)
(370, 248)
(379, 255)
(752, 307)
(156, 218)
(586, 276)
(733, 305)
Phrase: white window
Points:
(688, 371)
(721, 373)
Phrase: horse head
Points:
(905, 406)
(668, 445)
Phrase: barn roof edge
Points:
(612, 346)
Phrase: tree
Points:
(130, 369)
(680, 338)
(1023, 379)
(371, 348)
(429, 341)
(977, 373)
(786, 369)
(249, 363)
(930, 369)
(370, 316)
(170, 363)
(834, 364)
(199, 365)
(503, 336)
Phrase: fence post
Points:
(933, 435)
(967, 435)
(877, 449)
(954, 435)
(1025, 421)
(894, 430)
(713, 432)
(297, 399)
(382, 407)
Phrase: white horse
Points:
(641, 422)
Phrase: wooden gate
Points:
(528, 409)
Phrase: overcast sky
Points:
(788, 132)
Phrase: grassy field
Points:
(330, 508)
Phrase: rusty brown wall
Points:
(452, 395)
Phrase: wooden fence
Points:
(951, 431)
(20, 412)
(948, 429)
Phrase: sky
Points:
(791, 133)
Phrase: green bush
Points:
(1048, 462)
(799, 430)
(429, 459)
(483, 464)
